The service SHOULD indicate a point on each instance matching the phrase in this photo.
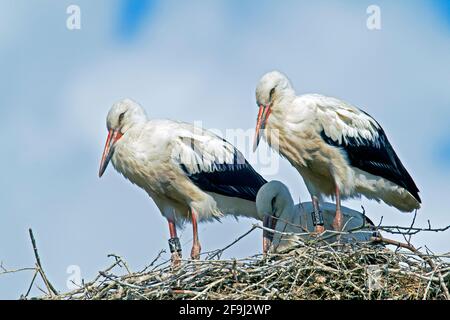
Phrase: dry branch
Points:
(39, 268)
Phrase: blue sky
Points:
(443, 8)
(443, 154)
(196, 60)
(133, 16)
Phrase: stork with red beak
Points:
(339, 150)
(190, 173)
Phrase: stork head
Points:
(273, 201)
(122, 116)
(271, 87)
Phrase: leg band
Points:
(174, 245)
(317, 218)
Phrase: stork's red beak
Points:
(113, 136)
(263, 116)
(271, 223)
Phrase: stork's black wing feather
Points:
(376, 156)
(237, 179)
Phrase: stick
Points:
(219, 252)
(49, 286)
(31, 284)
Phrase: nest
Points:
(310, 269)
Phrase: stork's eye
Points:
(121, 117)
(272, 91)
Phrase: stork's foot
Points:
(176, 259)
(195, 252)
(175, 249)
(318, 231)
(337, 222)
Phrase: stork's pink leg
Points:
(337, 222)
(196, 248)
(174, 244)
(317, 216)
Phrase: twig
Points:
(120, 260)
(49, 286)
(31, 283)
(219, 252)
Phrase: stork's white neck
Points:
(286, 206)
(291, 129)
(282, 104)
(274, 197)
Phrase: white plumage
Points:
(339, 150)
(190, 173)
(274, 201)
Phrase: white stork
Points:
(339, 150)
(278, 211)
(190, 173)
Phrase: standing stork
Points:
(339, 150)
(190, 173)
